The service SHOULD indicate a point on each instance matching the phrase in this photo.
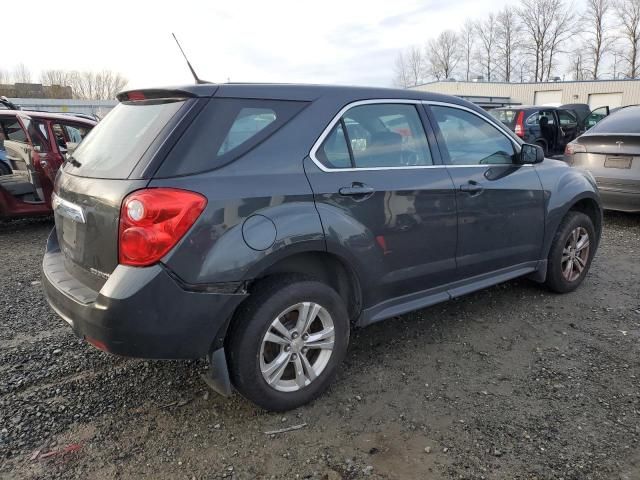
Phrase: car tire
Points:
(570, 258)
(255, 360)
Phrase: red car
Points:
(33, 146)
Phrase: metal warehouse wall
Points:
(525, 93)
(95, 107)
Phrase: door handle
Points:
(471, 187)
(356, 189)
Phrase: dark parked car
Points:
(611, 152)
(34, 145)
(258, 224)
(549, 127)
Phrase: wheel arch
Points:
(321, 265)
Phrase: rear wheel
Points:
(571, 253)
(287, 341)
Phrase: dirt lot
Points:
(509, 383)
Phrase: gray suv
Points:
(258, 224)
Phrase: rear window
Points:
(115, 146)
(226, 129)
(508, 117)
(624, 121)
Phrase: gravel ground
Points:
(509, 383)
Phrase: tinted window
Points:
(470, 140)
(508, 117)
(542, 118)
(248, 123)
(566, 119)
(625, 120)
(226, 129)
(334, 152)
(13, 130)
(380, 135)
(117, 143)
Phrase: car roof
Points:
(47, 115)
(302, 92)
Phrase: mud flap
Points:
(217, 377)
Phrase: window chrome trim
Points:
(498, 125)
(325, 133)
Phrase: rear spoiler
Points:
(186, 91)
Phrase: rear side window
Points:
(13, 130)
(226, 129)
(508, 117)
(625, 120)
(117, 143)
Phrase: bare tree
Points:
(467, 38)
(410, 67)
(401, 72)
(21, 74)
(562, 27)
(443, 55)
(577, 69)
(5, 77)
(56, 77)
(102, 85)
(487, 33)
(546, 24)
(598, 39)
(507, 44)
(628, 13)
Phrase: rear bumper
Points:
(619, 200)
(139, 312)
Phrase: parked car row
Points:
(552, 128)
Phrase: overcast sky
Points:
(329, 41)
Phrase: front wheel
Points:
(571, 253)
(287, 341)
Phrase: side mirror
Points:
(530, 154)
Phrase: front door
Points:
(500, 202)
(385, 199)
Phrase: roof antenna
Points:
(193, 72)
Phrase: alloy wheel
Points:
(575, 254)
(297, 347)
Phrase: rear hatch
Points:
(114, 160)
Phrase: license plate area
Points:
(618, 162)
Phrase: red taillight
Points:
(573, 148)
(133, 96)
(153, 220)
(519, 130)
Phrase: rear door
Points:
(500, 203)
(382, 192)
(98, 175)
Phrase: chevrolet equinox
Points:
(258, 224)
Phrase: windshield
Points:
(115, 146)
(505, 116)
